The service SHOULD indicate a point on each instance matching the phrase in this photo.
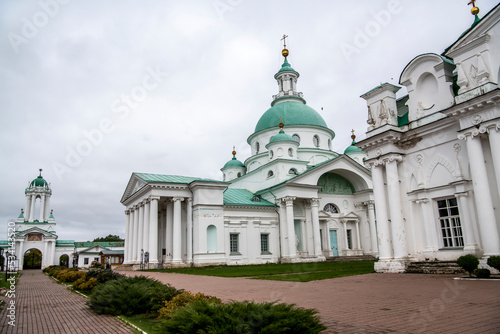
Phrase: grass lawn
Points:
(4, 283)
(144, 322)
(295, 272)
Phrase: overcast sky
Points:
(92, 91)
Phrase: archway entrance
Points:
(32, 259)
(64, 260)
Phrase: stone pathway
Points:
(372, 303)
(43, 306)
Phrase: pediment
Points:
(350, 216)
(94, 249)
(134, 185)
(36, 231)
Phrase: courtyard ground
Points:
(371, 303)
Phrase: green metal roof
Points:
(100, 243)
(403, 110)
(171, 178)
(234, 163)
(281, 136)
(286, 67)
(352, 148)
(292, 113)
(39, 182)
(243, 197)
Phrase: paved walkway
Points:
(43, 306)
(373, 303)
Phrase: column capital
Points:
(189, 199)
(493, 126)
(462, 194)
(472, 133)
(153, 198)
(344, 221)
(288, 200)
(393, 158)
(314, 202)
(370, 204)
(359, 206)
(127, 212)
(177, 199)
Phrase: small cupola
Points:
(282, 146)
(355, 152)
(233, 168)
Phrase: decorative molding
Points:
(288, 200)
(443, 161)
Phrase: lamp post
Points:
(1, 254)
(142, 259)
(75, 258)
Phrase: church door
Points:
(333, 242)
(298, 235)
(32, 259)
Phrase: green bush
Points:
(102, 275)
(51, 270)
(69, 275)
(130, 295)
(494, 262)
(482, 273)
(202, 316)
(182, 300)
(85, 285)
(468, 263)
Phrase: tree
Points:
(110, 237)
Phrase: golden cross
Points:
(352, 131)
(473, 3)
(284, 39)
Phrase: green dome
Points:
(234, 163)
(281, 136)
(38, 182)
(286, 67)
(292, 113)
(352, 148)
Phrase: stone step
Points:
(351, 258)
(435, 267)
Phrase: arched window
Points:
(271, 154)
(293, 171)
(316, 140)
(257, 147)
(290, 152)
(296, 137)
(270, 173)
(331, 208)
(211, 238)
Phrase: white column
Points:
(27, 207)
(145, 235)
(153, 231)
(131, 235)
(32, 209)
(315, 226)
(169, 231)
(344, 223)
(283, 231)
(494, 136)
(135, 234)
(470, 245)
(383, 230)
(20, 255)
(189, 246)
(42, 209)
(358, 235)
(53, 253)
(177, 232)
(47, 207)
(45, 255)
(484, 204)
(429, 224)
(127, 237)
(394, 195)
(140, 232)
(292, 248)
(373, 227)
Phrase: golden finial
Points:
(22, 210)
(284, 52)
(281, 125)
(40, 171)
(353, 136)
(474, 10)
(234, 152)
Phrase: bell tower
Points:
(38, 189)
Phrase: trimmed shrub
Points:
(69, 275)
(130, 295)
(482, 273)
(51, 270)
(102, 275)
(468, 263)
(202, 316)
(182, 300)
(85, 285)
(494, 262)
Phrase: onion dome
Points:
(352, 148)
(281, 136)
(234, 162)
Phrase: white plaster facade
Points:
(293, 200)
(435, 154)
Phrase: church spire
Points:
(287, 79)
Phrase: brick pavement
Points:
(43, 306)
(372, 303)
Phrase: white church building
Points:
(434, 154)
(423, 186)
(35, 231)
(292, 200)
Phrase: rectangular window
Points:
(264, 243)
(86, 260)
(233, 243)
(349, 239)
(449, 220)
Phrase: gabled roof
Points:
(244, 197)
(37, 230)
(100, 243)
